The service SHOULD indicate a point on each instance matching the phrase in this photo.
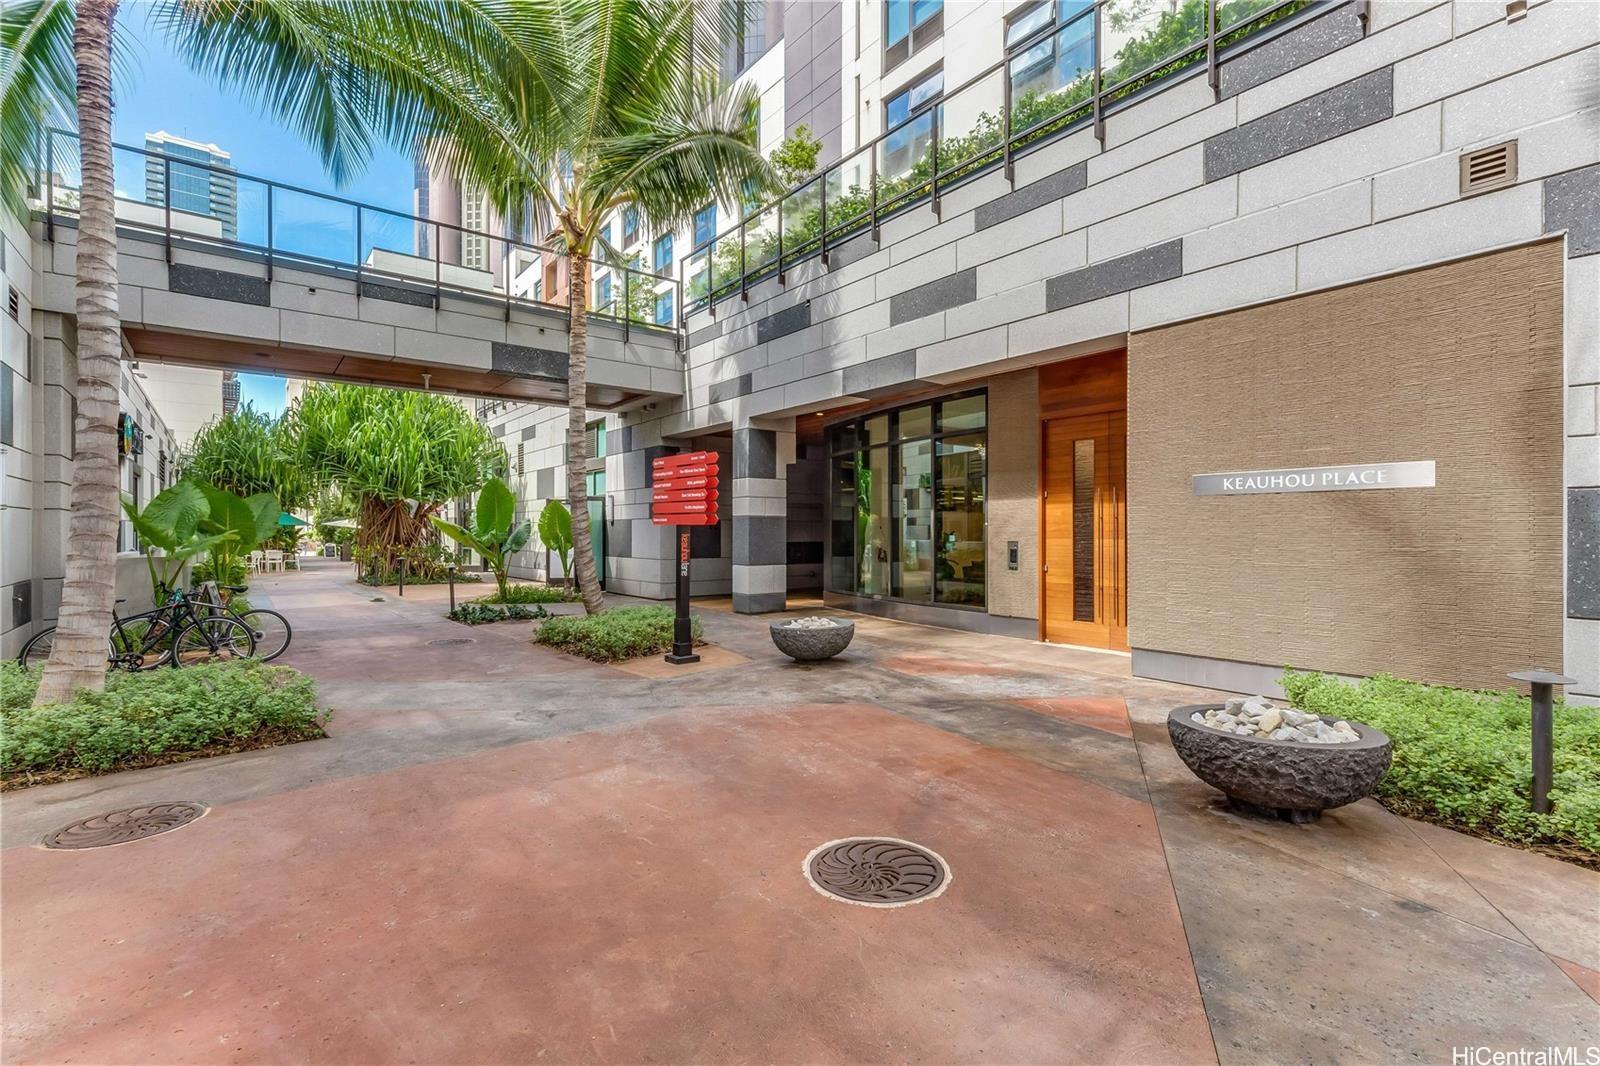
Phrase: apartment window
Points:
(705, 225)
(630, 224)
(602, 293)
(596, 434)
(474, 216)
(906, 503)
(908, 115)
(663, 253)
(664, 309)
(1051, 46)
(605, 233)
(907, 26)
(749, 39)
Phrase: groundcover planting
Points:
(620, 633)
(1464, 759)
(152, 717)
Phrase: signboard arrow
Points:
(684, 519)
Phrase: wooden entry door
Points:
(1085, 562)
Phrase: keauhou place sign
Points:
(1412, 475)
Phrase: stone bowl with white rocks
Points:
(1278, 761)
(810, 640)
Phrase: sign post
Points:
(684, 494)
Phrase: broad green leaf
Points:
(497, 509)
(177, 510)
(555, 527)
(227, 514)
(461, 536)
(266, 508)
(518, 539)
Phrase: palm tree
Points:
(56, 62)
(575, 107)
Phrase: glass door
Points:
(1085, 531)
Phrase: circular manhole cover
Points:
(451, 640)
(877, 871)
(119, 827)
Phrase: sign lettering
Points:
(1406, 475)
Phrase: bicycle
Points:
(271, 629)
(170, 634)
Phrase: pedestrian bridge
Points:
(303, 284)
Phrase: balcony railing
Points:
(286, 225)
(1053, 81)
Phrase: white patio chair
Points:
(274, 559)
(258, 562)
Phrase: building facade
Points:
(1369, 246)
(209, 189)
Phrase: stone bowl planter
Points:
(806, 645)
(1288, 779)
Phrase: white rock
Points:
(1269, 721)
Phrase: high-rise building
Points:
(211, 189)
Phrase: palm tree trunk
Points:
(88, 593)
(578, 434)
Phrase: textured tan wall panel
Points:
(1013, 500)
(1460, 583)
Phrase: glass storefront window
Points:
(961, 553)
(906, 513)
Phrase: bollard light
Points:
(450, 576)
(1542, 683)
(402, 577)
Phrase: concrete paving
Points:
(506, 854)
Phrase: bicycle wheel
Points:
(210, 640)
(37, 651)
(271, 631)
(144, 642)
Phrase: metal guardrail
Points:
(367, 231)
(823, 211)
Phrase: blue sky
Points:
(160, 92)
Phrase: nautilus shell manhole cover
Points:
(876, 871)
(443, 641)
(119, 827)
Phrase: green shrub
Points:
(1464, 758)
(620, 633)
(150, 716)
(479, 612)
(532, 594)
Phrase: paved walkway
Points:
(505, 854)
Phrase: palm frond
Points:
(37, 90)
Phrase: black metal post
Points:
(269, 232)
(1542, 683)
(1005, 84)
(402, 587)
(780, 241)
(822, 214)
(50, 187)
(682, 629)
(1099, 81)
(166, 166)
(450, 576)
(1212, 75)
(358, 255)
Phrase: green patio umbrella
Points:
(287, 519)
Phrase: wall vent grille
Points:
(1489, 168)
(13, 302)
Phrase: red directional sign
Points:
(684, 489)
(684, 519)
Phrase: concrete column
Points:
(759, 508)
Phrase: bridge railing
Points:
(200, 204)
(1064, 70)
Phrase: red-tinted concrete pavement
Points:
(632, 895)
(505, 854)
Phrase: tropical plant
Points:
(578, 108)
(56, 65)
(620, 633)
(247, 523)
(401, 455)
(555, 532)
(496, 534)
(247, 452)
(795, 158)
(186, 520)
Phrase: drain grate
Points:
(877, 871)
(451, 640)
(119, 827)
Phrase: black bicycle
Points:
(174, 633)
(270, 628)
